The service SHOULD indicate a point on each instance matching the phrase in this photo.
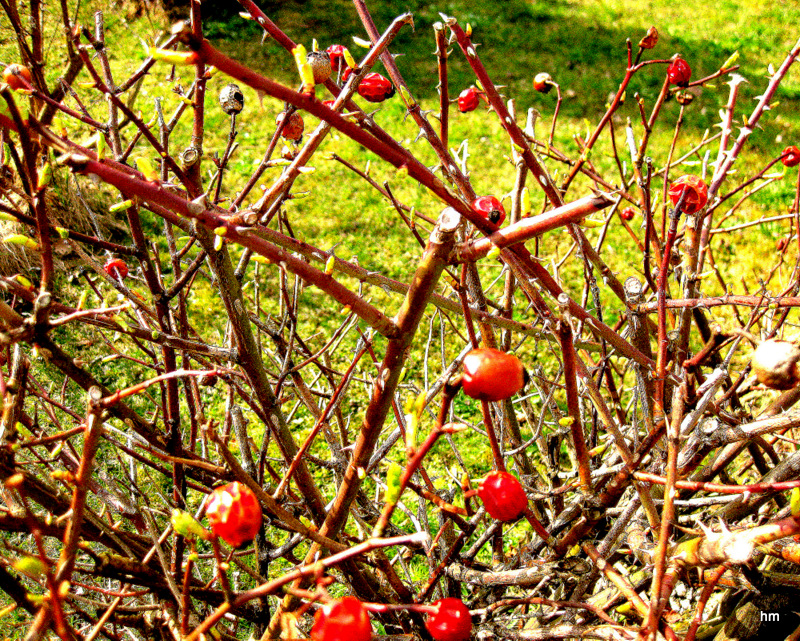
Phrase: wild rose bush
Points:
(206, 342)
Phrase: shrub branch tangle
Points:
(366, 470)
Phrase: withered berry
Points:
(679, 72)
(697, 193)
(375, 88)
(468, 100)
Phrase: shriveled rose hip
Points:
(336, 55)
(697, 193)
(679, 72)
(791, 156)
(468, 100)
(543, 82)
(293, 130)
(321, 66)
(375, 88)
(116, 268)
(650, 39)
(775, 364)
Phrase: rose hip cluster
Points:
(347, 619)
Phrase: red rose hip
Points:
(336, 54)
(492, 375)
(490, 208)
(234, 513)
(14, 75)
(468, 100)
(451, 622)
(627, 214)
(697, 193)
(343, 620)
(791, 156)
(375, 88)
(502, 496)
(116, 268)
(679, 72)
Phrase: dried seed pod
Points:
(293, 130)
(320, 62)
(650, 39)
(684, 97)
(231, 99)
(775, 364)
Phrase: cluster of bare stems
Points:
(625, 432)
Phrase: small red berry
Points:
(116, 268)
(13, 76)
(492, 375)
(343, 620)
(346, 74)
(329, 103)
(782, 243)
(375, 88)
(490, 208)
(791, 156)
(502, 496)
(234, 513)
(696, 197)
(543, 82)
(336, 54)
(468, 100)
(293, 130)
(679, 72)
(627, 214)
(451, 622)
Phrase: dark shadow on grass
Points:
(517, 39)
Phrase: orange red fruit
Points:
(234, 513)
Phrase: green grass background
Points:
(581, 43)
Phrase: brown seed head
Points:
(775, 364)
(320, 62)
(650, 39)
